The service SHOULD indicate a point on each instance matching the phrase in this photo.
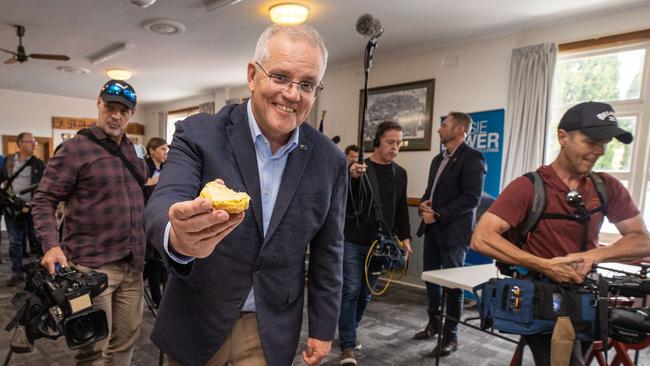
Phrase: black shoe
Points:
(14, 281)
(447, 348)
(428, 332)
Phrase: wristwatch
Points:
(436, 216)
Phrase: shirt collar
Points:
(449, 154)
(256, 133)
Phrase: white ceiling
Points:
(216, 46)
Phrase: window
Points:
(616, 75)
(176, 116)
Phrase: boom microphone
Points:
(369, 26)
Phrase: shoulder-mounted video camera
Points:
(56, 305)
(12, 205)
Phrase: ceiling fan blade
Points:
(43, 56)
(5, 50)
(11, 60)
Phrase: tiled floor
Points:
(385, 334)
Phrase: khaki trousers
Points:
(122, 302)
(243, 347)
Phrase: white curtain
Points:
(162, 125)
(531, 76)
(206, 107)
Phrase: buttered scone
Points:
(224, 198)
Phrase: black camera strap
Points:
(114, 149)
(15, 175)
(376, 199)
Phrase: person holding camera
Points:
(448, 207)
(20, 171)
(101, 180)
(563, 247)
(362, 227)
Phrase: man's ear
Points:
(250, 72)
(562, 136)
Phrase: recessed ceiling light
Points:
(288, 13)
(141, 3)
(117, 73)
(164, 26)
(74, 70)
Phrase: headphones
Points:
(375, 142)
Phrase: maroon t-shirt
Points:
(559, 237)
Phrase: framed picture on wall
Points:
(409, 104)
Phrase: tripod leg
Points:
(8, 357)
(147, 299)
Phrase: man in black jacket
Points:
(19, 171)
(448, 208)
(361, 227)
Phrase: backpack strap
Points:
(599, 183)
(536, 210)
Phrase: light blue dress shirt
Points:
(270, 167)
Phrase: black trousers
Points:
(439, 256)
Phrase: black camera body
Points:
(56, 305)
(12, 205)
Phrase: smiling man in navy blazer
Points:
(236, 290)
(448, 208)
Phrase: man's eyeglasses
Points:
(30, 142)
(117, 89)
(282, 83)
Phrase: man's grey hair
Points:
(298, 32)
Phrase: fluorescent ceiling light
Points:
(118, 73)
(289, 13)
(212, 5)
(108, 53)
(141, 3)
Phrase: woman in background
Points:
(154, 270)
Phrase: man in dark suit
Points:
(235, 292)
(447, 208)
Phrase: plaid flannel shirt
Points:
(104, 203)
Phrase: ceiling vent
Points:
(165, 27)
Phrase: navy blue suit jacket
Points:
(456, 196)
(202, 300)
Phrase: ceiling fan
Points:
(21, 56)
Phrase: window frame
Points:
(639, 173)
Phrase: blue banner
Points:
(486, 135)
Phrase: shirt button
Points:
(238, 303)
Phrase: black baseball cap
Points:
(119, 91)
(596, 120)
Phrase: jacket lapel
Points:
(450, 164)
(293, 171)
(242, 146)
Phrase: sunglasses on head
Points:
(117, 89)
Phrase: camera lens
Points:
(574, 199)
(83, 330)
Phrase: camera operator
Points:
(554, 249)
(99, 177)
(361, 228)
(19, 171)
